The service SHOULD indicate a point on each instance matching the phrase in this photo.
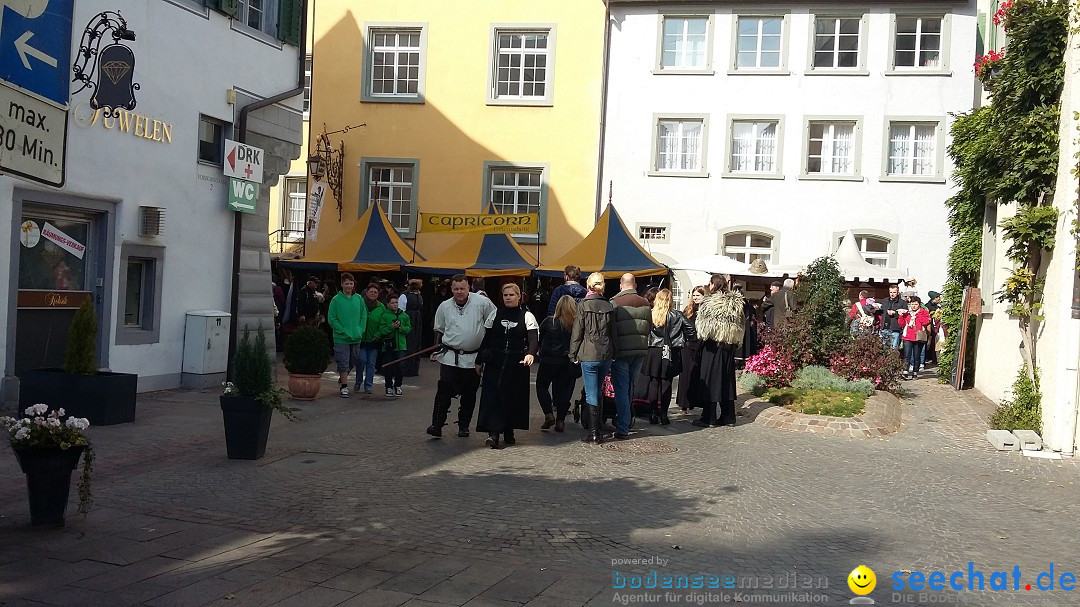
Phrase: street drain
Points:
(642, 447)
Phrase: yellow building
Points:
(464, 104)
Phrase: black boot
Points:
(508, 437)
(708, 416)
(438, 420)
(593, 415)
(492, 440)
(727, 413)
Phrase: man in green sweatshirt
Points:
(348, 319)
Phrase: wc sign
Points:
(244, 168)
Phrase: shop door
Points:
(60, 267)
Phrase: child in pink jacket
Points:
(914, 324)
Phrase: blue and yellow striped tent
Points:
(609, 249)
(371, 245)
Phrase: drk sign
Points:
(243, 161)
(243, 195)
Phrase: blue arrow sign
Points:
(35, 46)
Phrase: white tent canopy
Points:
(855, 268)
(713, 264)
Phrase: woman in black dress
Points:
(690, 379)
(720, 327)
(556, 376)
(664, 357)
(505, 356)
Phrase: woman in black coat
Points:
(505, 356)
(721, 326)
(556, 376)
(690, 378)
(664, 357)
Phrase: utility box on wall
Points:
(206, 348)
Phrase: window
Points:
(259, 15)
(307, 87)
(211, 141)
(139, 312)
(395, 64)
(392, 187)
(759, 43)
(912, 149)
(295, 208)
(831, 148)
(652, 233)
(679, 144)
(685, 43)
(522, 66)
(918, 43)
(836, 42)
(875, 249)
(517, 188)
(748, 247)
(754, 146)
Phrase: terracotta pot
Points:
(304, 387)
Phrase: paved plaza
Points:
(355, 505)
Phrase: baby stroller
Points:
(607, 406)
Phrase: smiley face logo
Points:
(862, 580)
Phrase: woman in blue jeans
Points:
(592, 345)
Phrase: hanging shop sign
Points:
(487, 223)
(63, 241)
(243, 195)
(108, 71)
(315, 203)
(243, 161)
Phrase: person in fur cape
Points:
(721, 324)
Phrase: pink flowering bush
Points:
(866, 357)
(984, 64)
(773, 366)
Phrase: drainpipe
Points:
(603, 111)
(241, 136)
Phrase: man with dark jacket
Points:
(308, 303)
(890, 315)
(633, 321)
(570, 287)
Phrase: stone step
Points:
(1029, 440)
(1002, 440)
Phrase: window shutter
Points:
(289, 21)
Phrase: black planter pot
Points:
(247, 424)
(48, 481)
(103, 399)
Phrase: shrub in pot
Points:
(250, 399)
(307, 354)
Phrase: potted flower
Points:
(48, 447)
(307, 355)
(102, 397)
(251, 399)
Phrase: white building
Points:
(195, 68)
(768, 131)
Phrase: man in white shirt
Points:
(459, 327)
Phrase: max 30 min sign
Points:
(33, 135)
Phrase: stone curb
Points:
(882, 417)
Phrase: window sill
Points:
(255, 34)
(671, 71)
(191, 6)
(210, 163)
(545, 102)
(676, 174)
(415, 99)
(919, 72)
(836, 72)
(829, 177)
(132, 336)
(912, 179)
(758, 72)
(737, 175)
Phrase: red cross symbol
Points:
(248, 171)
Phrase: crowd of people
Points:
(903, 323)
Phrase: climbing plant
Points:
(1007, 153)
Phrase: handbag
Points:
(673, 356)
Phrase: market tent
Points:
(713, 264)
(481, 255)
(609, 249)
(855, 268)
(371, 245)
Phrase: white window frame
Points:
(856, 152)
(544, 169)
(860, 67)
(268, 22)
(290, 200)
(148, 330)
(308, 65)
(707, 68)
(499, 29)
(654, 163)
(367, 89)
(666, 227)
(366, 165)
(861, 235)
(748, 231)
(778, 153)
(782, 69)
(938, 122)
(946, 42)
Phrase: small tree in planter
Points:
(251, 399)
(102, 397)
(819, 295)
(307, 355)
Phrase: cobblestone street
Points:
(355, 505)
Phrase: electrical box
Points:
(206, 342)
